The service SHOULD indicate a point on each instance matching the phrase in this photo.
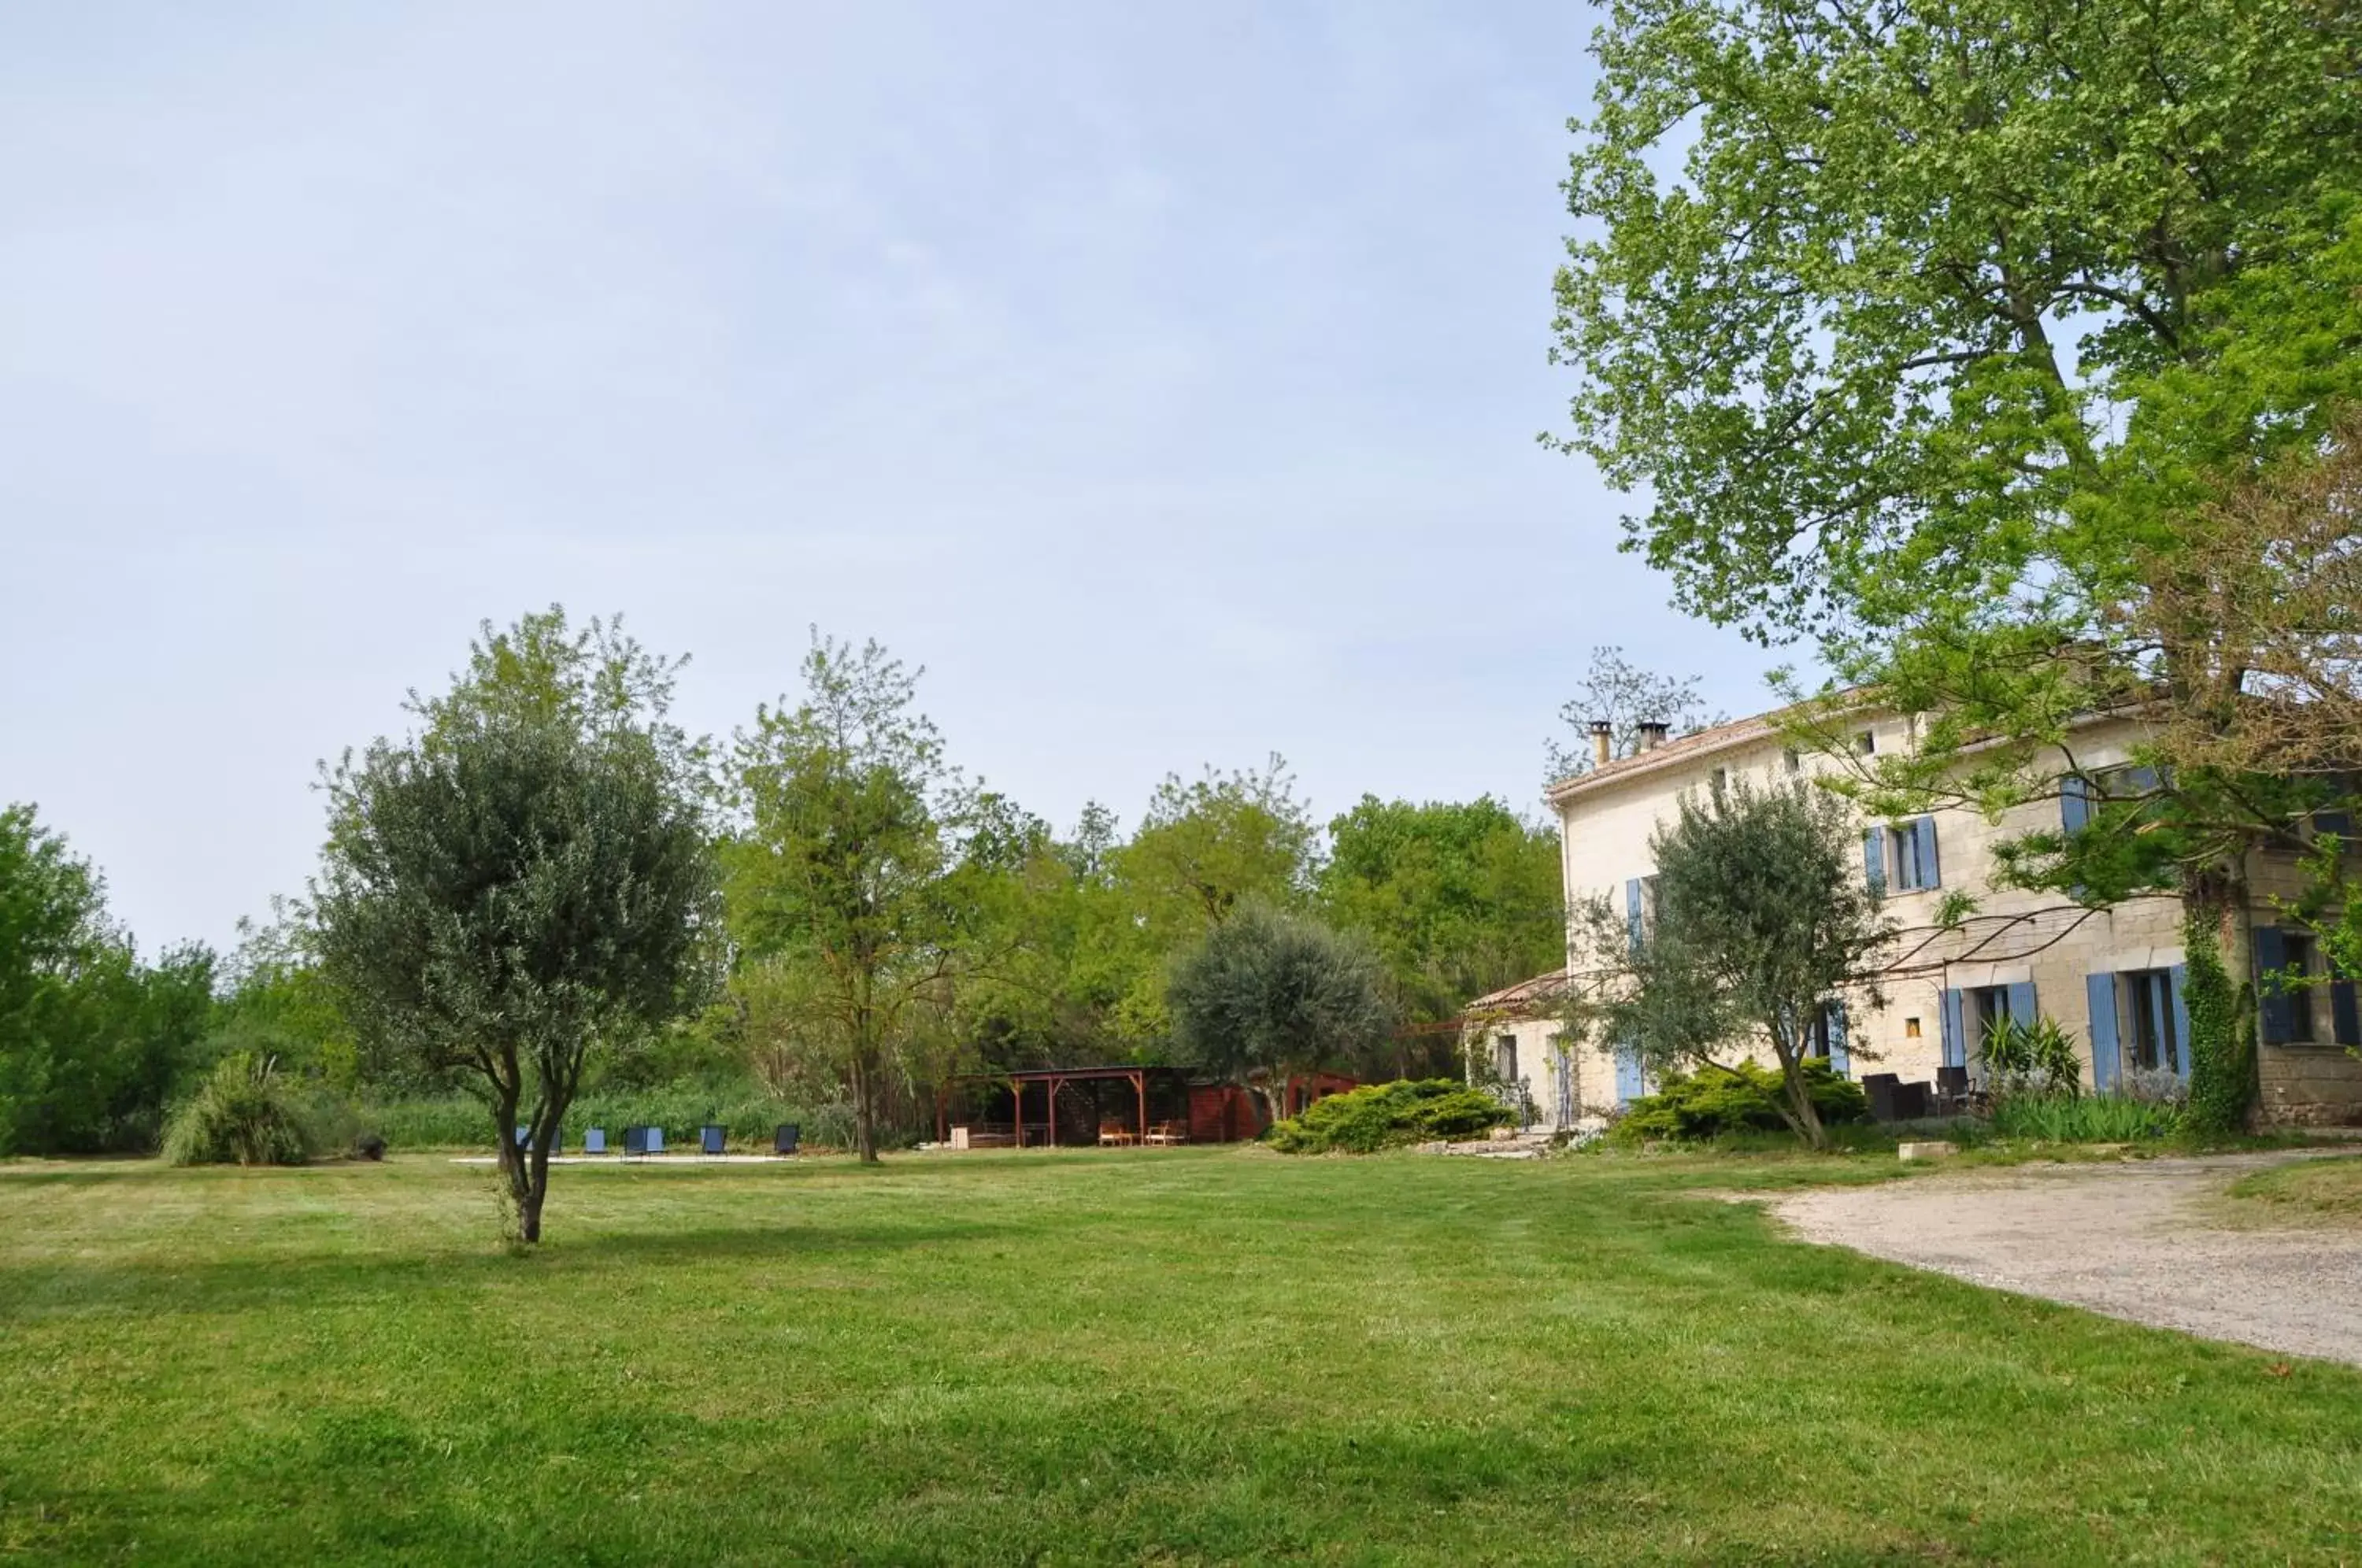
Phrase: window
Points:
(1866, 742)
(1792, 761)
(1721, 781)
(1505, 1058)
(2145, 1003)
(2296, 961)
(1901, 855)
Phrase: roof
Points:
(1036, 1075)
(1673, 753)
(1525, 993)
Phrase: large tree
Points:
(93, 1041)
(522, 886)
(1761, 921)
(856, 878)
(1928, 330)
(1457, 899)
(1269, 994)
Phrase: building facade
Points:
(2112, 977)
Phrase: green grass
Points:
(2328, 1190)
(1181, 1357)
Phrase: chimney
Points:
(1603, 738)
(1653, 733)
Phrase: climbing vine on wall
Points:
(2222, 1037)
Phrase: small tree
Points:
(523, 884)
(1762, 920)
(1276, 993)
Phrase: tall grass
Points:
(2091, 1118)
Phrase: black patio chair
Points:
(789, 1134)
(1880, 1088)
(635, 1143)
(713, 1140)
(1911, 1102)
(1952, 1089)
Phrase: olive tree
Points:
(1271, 992)
(523, 885)
(1762, 920)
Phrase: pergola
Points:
(1139, 1075)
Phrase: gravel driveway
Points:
(2143, 1239)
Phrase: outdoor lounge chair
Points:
(712, 1140)
(522, 1133)
(1880, 1088)
(790, 1133)
(594, 1141)
(655, 1141)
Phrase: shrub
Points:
(243, 1114)
(2089, 1118)
(1716, 1101)
(1381, 1116)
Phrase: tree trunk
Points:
(865, 1117)
(1804, 1118)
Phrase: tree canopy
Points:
(519, 885)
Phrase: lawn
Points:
(1168, 1356)
(2329, 1191)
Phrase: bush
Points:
(243, 1114)
(1709, 1103)
(2091, 1119)
(1381, 1116)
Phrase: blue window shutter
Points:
(1956, 1035)
(1838, 1057)
(1631, 1082)
(2345, 1021)
(2102, 991)
(2074, 802)
(1632, 908)
(2175, 978)
(1929, 875)
(2338, 822)
(2279, 1007)
(1873, 858)
(2021, 1001)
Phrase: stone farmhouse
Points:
(2112, 977)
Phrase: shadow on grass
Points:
(572, 1256)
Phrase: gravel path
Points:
(2142, 1240)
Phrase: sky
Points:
(1164, 377)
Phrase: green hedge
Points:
(1693, 1107)
(460, 1121)
(1380, 1116)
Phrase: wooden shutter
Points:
(2106, 1068)
(1838, 1057)
(1633, 922)
(2345, 1021)
(2074, 802)
(1631, 1082)
(1929, 874)
(2278, 1006)
(2175, 978)
(2021, 1001)
(1873, 858)
(1956, 1035)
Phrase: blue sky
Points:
(1164, 377)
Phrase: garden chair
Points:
(712, 1140)
(594, 1140)
(522, 1134)
(656, 1139)
(1880, 1088)
(1952, 1090)
(789, 1134)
